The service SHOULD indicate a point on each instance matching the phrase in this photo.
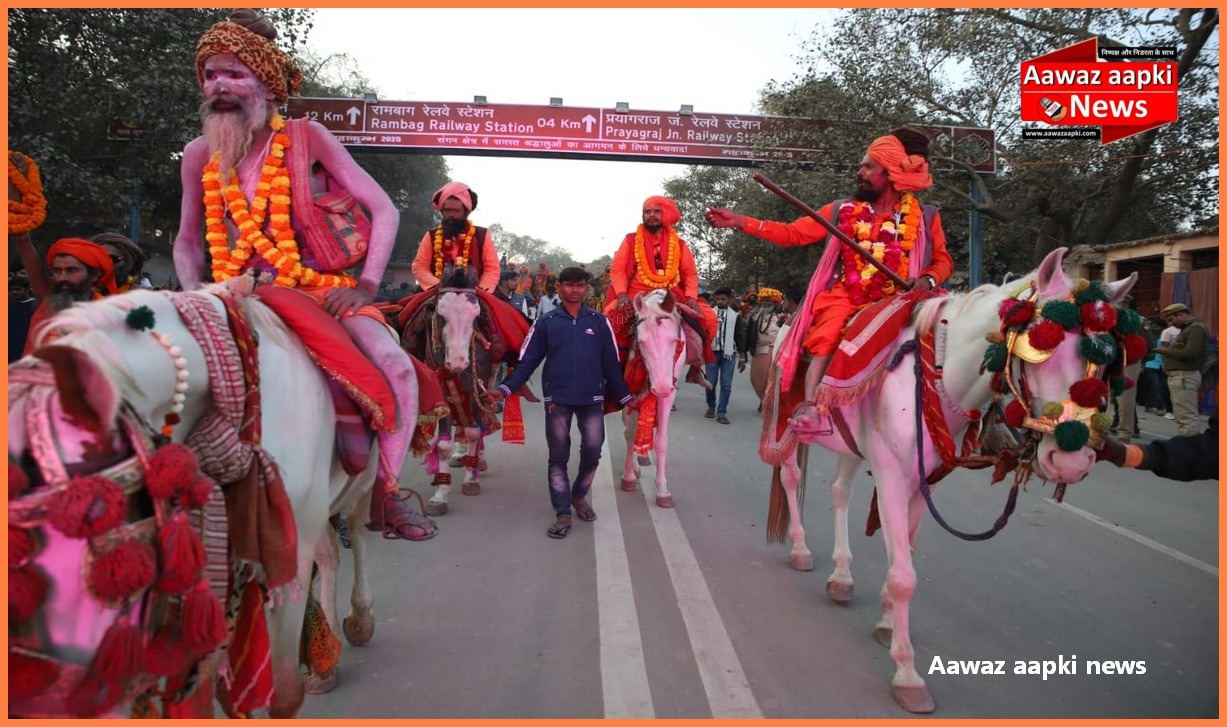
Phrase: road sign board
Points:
(564, 131)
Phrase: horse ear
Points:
(1050, 278)
(1118, 290)
(638, 303)
(86, 393)
(667, 304)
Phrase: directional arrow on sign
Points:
(588, 121)
(354, 113)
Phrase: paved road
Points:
(689, 613)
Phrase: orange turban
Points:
(270, 64)
(90, 254)
(460, 191)
(908, 173)
(668, 208)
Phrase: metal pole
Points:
(975, 240)
(134, 215)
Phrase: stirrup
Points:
(413, 518)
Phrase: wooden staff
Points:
(838, 233)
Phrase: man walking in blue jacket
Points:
(581, 359)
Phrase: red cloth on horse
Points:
(330, 346)
(868, 343)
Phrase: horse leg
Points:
(472, 462)
(630, 471)
(327, 561)
(285, 630)
(359, 625)
(894, 501)
(660, 442)
(460, 449)
(436, 466)
(800, 557)
(839, 583)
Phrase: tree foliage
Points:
(875, 69)
(525, 250)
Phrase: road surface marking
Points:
(728, 692)
(624, 672)
(1198, 564)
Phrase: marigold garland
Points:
(655, 277)
(31, 211)
(271, 202)
(461, 260)
(890, 242)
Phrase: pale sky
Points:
(717, 60)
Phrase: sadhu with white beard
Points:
(232, 172)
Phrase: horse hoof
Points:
(628, 485)
(436, 509)
(316, 684)
(839, 592)
(644, 460)
(801, 561)
(883, 635)
(358, 630)
(916, 700)
(457, 461)
(471, 488)
(664, 501)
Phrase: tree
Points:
(875, 69)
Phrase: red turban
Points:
(908, 173)
(90, 254)
(458, 190)
(668, 208)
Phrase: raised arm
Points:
(189, 246)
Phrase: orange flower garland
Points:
(31, 211)
(461, 260)
(891, 242)
(650, 275)
(272, 201)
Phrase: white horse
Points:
(883, 426)
(660, 347)
(125, 366)
(453, 344)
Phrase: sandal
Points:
(583, 511)
(560, 528)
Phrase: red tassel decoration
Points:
(27, 591)
(29, 676)
(91, 505)
(201, 490)
(171, 470)
(1014, 413)
(1090, 393)
(21, 546)
(167, 655)
(91, 698)
(1016, 312)
(119, 656)
(204, 623)
(1045, 335)
(129, 568)
(18, 482)
(181, 555)
(1097, 316)
(1135, 347)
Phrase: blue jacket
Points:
(581, 359)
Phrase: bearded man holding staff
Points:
(244, 77)
(883, 217)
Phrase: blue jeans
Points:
(591, 421)
(721, 369)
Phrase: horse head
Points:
(1056, 385)
(457, 312)
(659, 338)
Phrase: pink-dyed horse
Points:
(452, 343)
(659, 343)
(122, 365)
(883, 426)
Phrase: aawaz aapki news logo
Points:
(1125, 91)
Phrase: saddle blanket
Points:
(858, 365)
